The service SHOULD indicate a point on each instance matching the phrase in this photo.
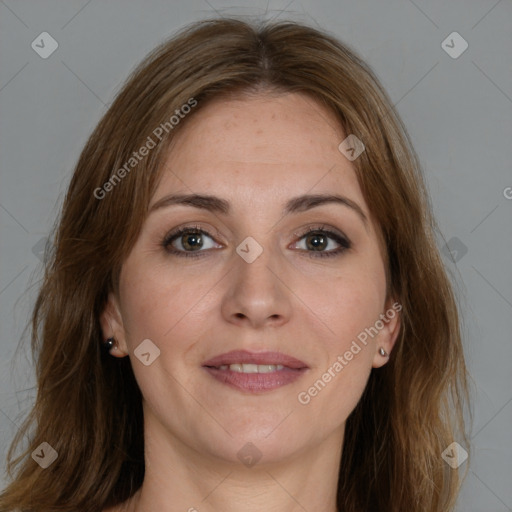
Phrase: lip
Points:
(292, 370)
(246, 357)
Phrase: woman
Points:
(245, 307)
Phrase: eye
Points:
(321, 242)
(189, 240)
(194, 241)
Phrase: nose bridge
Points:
(256, 295)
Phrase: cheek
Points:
(339, 379)
(348, 306)
(350, 303)
(159, 302)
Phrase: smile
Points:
(251, 368)
(255, 372)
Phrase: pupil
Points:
(316, 242)
(192, 241)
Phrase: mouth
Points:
(250, 368)
(255, 371)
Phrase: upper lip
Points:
(246, 357)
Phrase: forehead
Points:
(252, 145)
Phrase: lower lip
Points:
(256, 382)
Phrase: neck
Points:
(179, 479)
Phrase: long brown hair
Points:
(88, 406)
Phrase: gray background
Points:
(457, 111)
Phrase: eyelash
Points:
(341, 240)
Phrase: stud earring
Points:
(108, 344)
(382, 352)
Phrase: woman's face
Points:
(265, 272)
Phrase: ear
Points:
(112, 326)
(391, 320)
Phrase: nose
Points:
(257, 295)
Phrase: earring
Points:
(108, 344)
(382, 352)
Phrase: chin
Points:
(265, 441)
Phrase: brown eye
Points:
(191, 241)
(323, 243)
(186, 241)
(316, 241)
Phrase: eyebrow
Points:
(294, 205)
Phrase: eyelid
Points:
(321, 227)
(209, 231)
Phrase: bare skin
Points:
(257, 154)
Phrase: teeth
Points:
(252, 368)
